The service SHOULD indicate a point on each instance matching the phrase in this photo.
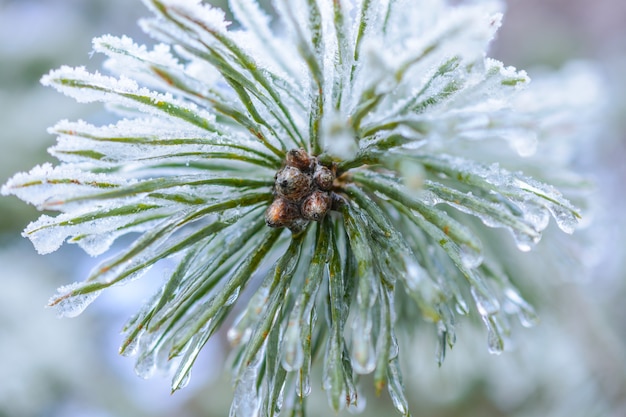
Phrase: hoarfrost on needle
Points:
(422, 139)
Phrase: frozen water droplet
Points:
(495, 340)
(233, 297)
(237, 336)
(45, 239)
(130, 349)
(363, 354)
(146, 365)
(399, 403)
(486, 304)
(68, 305)
(242, 328)
(333, 380)
(293, 354)
(185, 380)
(396, 388)
(528, 318)
(561, 209)
(303, 386)
(245, 399)
(536, 215)
(278, 405)
(357, 403)
(523, 241)
(440, 351)
(461, 306)
(520, 307)
(564, 217)
(99, 243)
(417, 282)
(470, 257)
(394, 349)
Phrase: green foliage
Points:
(209, 118)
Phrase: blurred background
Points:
(572, 364)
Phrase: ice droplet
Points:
(241, 330)
(245, 399)
(396, 388)
(130, 349)
(146, 365)
(470, 257)
(236, 336)
(562, 210)
(495, 341)
(416, 279)
(536, 215)
(332, 375)
(67, 304)
(564, 217)
(486, 305)
(528, 318)
(184, 381)
(293, 354)
(394, 349)
(45, 239)
(303, 386)
(233, 297)
(357, 403)
(363, 354)
(524, 241)
(399, 403)
(515, 304)
(399, 400)
(440, 349)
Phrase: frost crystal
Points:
(377, 132)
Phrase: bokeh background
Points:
(572, 364)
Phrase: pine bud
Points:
(315, 206)
(323, 177)
(300, 159)
(281, 213)
(292, 184)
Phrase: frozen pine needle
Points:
(358, 161)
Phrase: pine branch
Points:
(343, 150)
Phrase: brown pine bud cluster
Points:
(302, 192)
